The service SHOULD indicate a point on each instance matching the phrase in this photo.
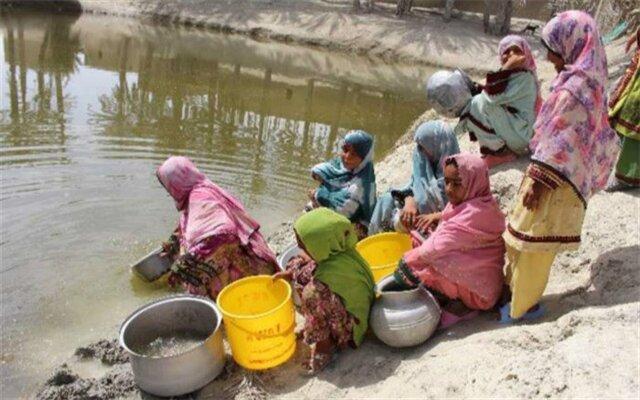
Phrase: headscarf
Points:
(467, 247)
(427, 178)
(572, 133)
(338, 179)
(449, 92)
(206, 210)
(530, 63)
(329, 239)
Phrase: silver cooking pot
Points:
(403, 318)
(175, 316)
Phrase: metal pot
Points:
(403, 318)
(153, 265)
(175, 316)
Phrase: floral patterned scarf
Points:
(572, 132)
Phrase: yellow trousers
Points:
(527, 274)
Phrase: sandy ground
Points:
(588, 343)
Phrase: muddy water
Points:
(91, 105)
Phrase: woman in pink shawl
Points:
(463, 258)
(573, 152)
(216, 241)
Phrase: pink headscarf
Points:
(466, 249)
(530, 63)
(572, 132)
(206, 209)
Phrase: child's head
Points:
(350, 158)
(357, 146)
(453, 185)
(449, 92)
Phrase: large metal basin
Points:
(175, 316)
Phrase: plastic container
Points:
(259, 320)
(383, 251)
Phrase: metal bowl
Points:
(403, 318)
(152, 266)
(171, 317)
(291, 251)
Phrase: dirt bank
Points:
(422, 37)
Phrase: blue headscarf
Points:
(435, 141)
(351, 193)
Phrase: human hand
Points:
(286, 275)
(312, 194)
(531, 198)
(515, 61)
(426, 221)
(408, 212)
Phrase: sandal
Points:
(505, 314)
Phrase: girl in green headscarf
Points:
(334, 284)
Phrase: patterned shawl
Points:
(572, 132)
(206, 210)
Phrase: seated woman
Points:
(334, 284)
(502, 115)
(348, 182)
(463, 258)
(407, 208)
(216, 241)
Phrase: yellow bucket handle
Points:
(286, 332)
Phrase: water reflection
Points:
(93, 104)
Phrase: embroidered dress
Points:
(573, 151)
(464, 256)
(336, 288)
(216, 241)
(624, 116)
(434, 141)
(325, 315)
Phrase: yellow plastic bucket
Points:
(259, 321)
(383, 251)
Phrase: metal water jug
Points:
(403, 318)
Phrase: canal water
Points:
(91, 105)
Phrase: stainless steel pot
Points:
(403, 318)
(175, 316)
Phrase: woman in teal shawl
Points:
(502, 115)
(348, 182)
(401, 209)
(334, 284)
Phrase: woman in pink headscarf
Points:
(216, 241)
(573, 152)
(501, 117)
(463, 258)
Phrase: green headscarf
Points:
(330, 240)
